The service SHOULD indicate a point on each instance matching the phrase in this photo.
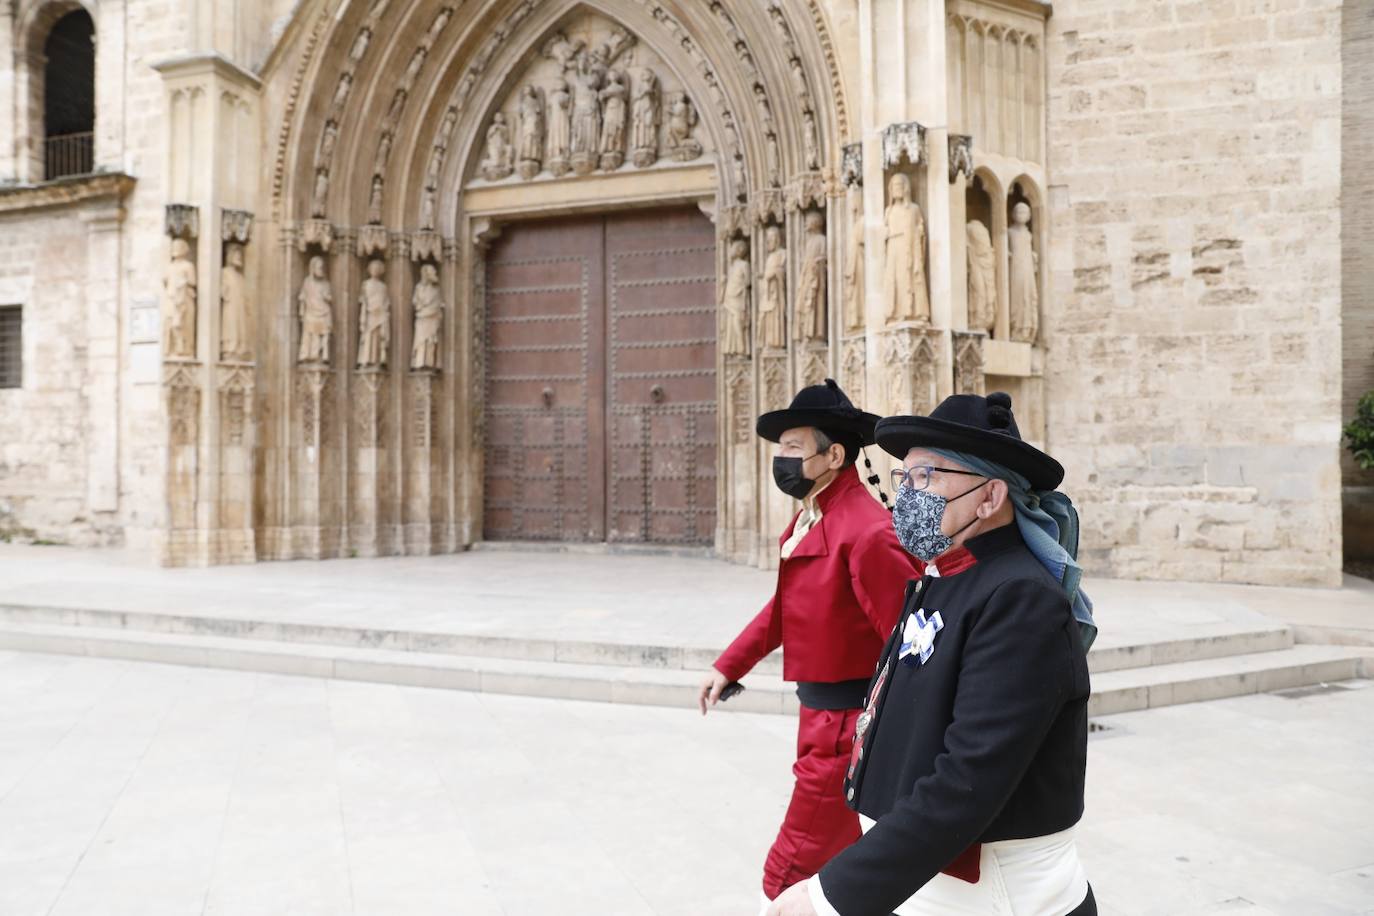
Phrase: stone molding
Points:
(66, 192)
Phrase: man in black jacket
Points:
(969, 758)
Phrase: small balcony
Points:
(68, 154)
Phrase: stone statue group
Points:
(315, 307)
(904, 293)
(589, 117)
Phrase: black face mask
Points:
(787, 474)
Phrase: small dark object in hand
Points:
(732, 689)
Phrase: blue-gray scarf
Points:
(1049, 526)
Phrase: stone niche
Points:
(590, 99)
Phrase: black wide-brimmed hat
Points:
(981, 426)
(825, 407)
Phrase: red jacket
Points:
(838, 597)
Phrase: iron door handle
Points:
(656, 394)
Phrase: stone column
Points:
(370, 392)
(425, 498)
(315, 482)
(212, 107)
(233, 539)
(103, 243)
(739, 456)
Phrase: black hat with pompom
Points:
(982, 426)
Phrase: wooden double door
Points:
(601, 380)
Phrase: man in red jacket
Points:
(839, 594)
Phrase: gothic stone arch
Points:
(409, 138)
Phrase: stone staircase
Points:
(1227, 660)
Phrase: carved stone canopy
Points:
(806, 190)
(183, 221)
(852, 165)
(960, 156)
(236, 226)
(905, 139)
(317, 233)
(768, 206)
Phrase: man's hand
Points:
(710, 690)
(795, 901)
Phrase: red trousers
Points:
(818, 823)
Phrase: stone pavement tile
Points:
(30, 887)
(167, 889)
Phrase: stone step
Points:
(1215, 641)
(1116, 691)
(1237, 675)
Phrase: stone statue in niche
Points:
(982, 278)
(374, 201)
(531, 147)
(496, 163)
(179, 302)
(319, 197)
(341, 91)
(360, 43)
(904, 246)
(798, 78)
(774, 159)
(613, 105)
(734, 301)
(428, 305)
(560, 127)
(428, 205)
(328, 138)
(383, 154)
(1025, 268)
(773, 310)
(854, 264)
(374, 316)
(811, 317)
(586, 114)
(644, 112)
(811, 140)
(682, 120)
(315, 305)
(233, 322)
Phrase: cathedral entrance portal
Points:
(601, 380)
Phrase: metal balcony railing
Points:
(68, 154)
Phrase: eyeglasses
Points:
(918, 478)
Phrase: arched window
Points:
(69, 97)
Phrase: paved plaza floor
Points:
(134, 788)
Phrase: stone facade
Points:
(1194, 385)
(1125, 218)
(1357, 268)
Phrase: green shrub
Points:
(1359, 433)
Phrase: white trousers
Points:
(1040, 876)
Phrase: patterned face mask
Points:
(916, 518)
